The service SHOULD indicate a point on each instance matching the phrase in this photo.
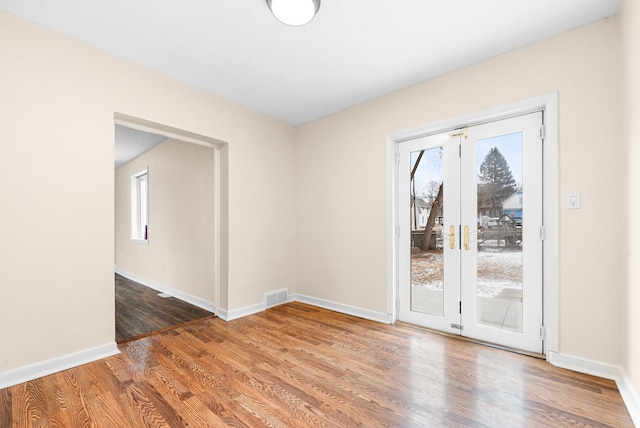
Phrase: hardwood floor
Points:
(300, 366)
(140, 312)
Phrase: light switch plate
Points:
(573, 200)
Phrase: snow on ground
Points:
(497, 270)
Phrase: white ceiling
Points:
(131, 143)
(353, 51)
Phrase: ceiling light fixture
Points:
(294, 12)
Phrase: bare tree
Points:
(427, 243)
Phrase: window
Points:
(140, 206)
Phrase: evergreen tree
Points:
(495, 182)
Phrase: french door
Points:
(470, 217)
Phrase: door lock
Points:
(466, 237)
(452, 237)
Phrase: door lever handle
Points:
(452, 237)
(466, 237)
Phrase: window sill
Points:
(139, 241)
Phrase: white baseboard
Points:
(186, 297)
(314, 301)
(44, 368)
(627, 389)
(631, 398)
(240, 312)
(339, 307)
(584, 365)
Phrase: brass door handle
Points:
(452, 237)
(466, 237)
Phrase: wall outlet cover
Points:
(573, 200)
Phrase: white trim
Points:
(139, 241)
(631, 397)
(549, 104)
(167, 131)
(54, 365)
(551, 218)
(186, 297)
(314, 301)
(339, 307)
(139, 205)
(585, 365)
(234, 314)
(217, 210)
(515, 108)
(627, 390)
(392, 260)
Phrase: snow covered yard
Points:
(497, 270)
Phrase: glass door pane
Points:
(500, 223)
(427, 220)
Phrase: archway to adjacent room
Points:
(169, 211)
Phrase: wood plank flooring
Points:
(140, 312)
(300, 366)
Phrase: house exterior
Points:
(419, 213)
(489, 203)
(512, 206)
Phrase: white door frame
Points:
(549, 104)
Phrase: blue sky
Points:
(511, 148)
(509, 145)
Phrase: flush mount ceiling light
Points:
(294, 12)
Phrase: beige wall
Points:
(630, 18)
(57, 185)
(180, 251)
(341, 195)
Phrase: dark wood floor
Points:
(300, 366)
(140, 312)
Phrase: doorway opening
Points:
(473, 236)
(173, 260)
(475, 207)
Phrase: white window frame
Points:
(140, 207)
